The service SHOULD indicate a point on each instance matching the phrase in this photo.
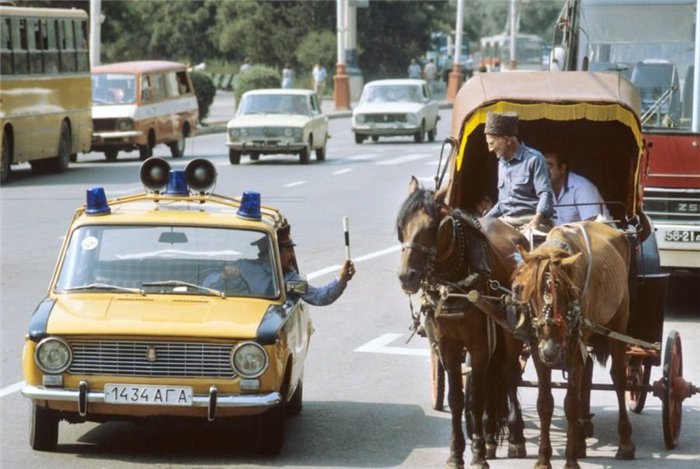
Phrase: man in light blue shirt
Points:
(525, 195)
(576, 198)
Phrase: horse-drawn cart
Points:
(594, 117)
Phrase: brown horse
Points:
(445, 249)
(576, 279)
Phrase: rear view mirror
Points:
(298, 287)
(172, 237)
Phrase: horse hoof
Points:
(587, 428)
(516, 450)
(479, 465)
(491, 451)
(543, 465)
(571, 465)
(625, 452)
(454, 463)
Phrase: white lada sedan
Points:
(278, 121)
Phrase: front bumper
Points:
(82, 397)
(266, 147)
(383, 130)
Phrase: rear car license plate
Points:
(682, 236)
(148, 395)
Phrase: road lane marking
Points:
(365, 157)
(318, 273)
(405, 159)
(296, 183)
(342, 171)
(381, 345)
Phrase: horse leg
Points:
(545, 409)
(451, 353)
(618, 373)
(513, 370)
(586, 418)
(478, 405)
(575, 448)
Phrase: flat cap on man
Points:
(502, 124)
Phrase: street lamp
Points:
(341, 88)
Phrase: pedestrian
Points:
(525, 195)
(575, 197)
(414, 70)
(319, 77)
(287, 75)
(430, 74)
(246, 66)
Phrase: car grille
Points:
(676, 205)
(385, 118)
(99, 125)
(265, 132)
(152, 359)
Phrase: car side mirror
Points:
(298, 287)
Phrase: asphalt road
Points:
(366, 392)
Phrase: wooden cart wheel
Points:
(437, 374)
(672, 408)
(638, 374)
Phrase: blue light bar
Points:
(176, 183)
(97, 202)
(250, 206)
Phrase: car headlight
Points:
(288, 132)
(360, 118)
(53, 355)
(412, 118)
(249, 360)
(234, 133)
(125, 124)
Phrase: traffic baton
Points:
(346, 230)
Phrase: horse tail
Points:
(497, 409)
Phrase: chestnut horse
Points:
(573, 282)
(435, 258)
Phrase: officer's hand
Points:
(347, 271)
(231, 271)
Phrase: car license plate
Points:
(682, 236)
(148, 395)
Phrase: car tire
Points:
(43, 429)
(270, 430)
(304, 154)
(5, 159)
(432, 133)
(418, 136)
(375, 138)
(177, 148)
(295, 404)
(321, 152)
(254, 156)
(111, 154)
(145, 151)
(359, 138)
(234, 157)
(65, 145)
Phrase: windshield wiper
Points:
(105, 286)
(178, 283)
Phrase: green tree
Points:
(318, 47)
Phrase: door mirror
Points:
(298, 287)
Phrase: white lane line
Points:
(381, 345)
(296, 183)
(365, 157)
(11, 389)
(405, 159)
(342, 171)
(318, 273)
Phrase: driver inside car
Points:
(252, 276)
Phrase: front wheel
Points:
(359, 138)
(6, 159)
(234, 157)
(304, 154)
(65, 144)
(177, 149)
(43, 430)
(295, 403)
(111, 154)
(321, 152)
(271, 430)
(418, 136)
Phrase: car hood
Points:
(387, 108)
(268, 120)
(157, 315)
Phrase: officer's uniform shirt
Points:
(317, 296)
(578, 190)
(524, 185)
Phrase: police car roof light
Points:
(176, 183)
(250, 206)
(97, 202)
(154, 174)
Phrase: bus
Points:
(660, 61)
(46, 107)
(529, 52)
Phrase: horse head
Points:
(417, 227)
(542, 286)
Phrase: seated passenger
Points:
(575, 197)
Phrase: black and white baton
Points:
(346, 229)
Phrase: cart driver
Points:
(525, 195)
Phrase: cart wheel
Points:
(672, 408)
(437, 379)
(638, 374)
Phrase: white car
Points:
(274, 121)
(389, 108)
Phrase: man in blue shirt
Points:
(525, 195)
(576, 198)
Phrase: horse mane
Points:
(546, 258)
(418, 199)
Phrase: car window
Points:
(113, 88)
(392, 94)
(131, 256)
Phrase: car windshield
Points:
(274, 104)
(169, 260)
(392, 93)
(113, 88)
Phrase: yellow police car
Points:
(169, 302)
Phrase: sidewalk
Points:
(223, 109)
